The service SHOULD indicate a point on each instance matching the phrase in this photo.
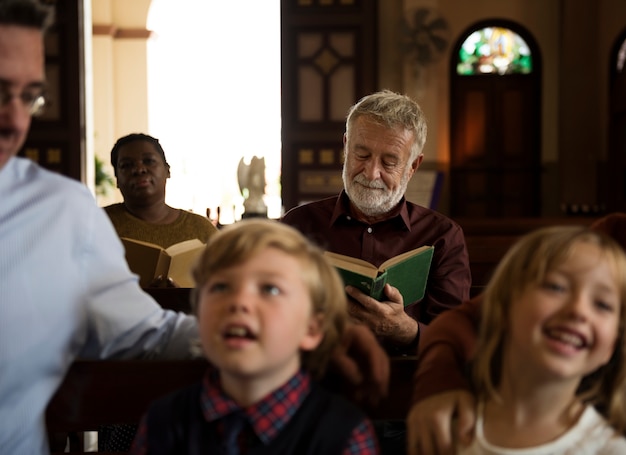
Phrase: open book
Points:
(149, 260)
(408, 272)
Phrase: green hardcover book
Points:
(408, 272)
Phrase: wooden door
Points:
(495, 146)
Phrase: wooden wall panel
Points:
(57, 139)
(328, 63)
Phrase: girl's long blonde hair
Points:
(527, 263)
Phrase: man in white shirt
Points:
(65, 288)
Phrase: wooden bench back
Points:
(96, 393)
(489, 239)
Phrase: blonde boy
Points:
(271, 310)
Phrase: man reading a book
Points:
(371, 219)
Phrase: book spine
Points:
(378, 286)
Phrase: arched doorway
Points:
(495, 159)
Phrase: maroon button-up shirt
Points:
(330, 224)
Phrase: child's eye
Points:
(217, 287)
(553, 286)
(605, 306)
(270, 289)
(149, 161)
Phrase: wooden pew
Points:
(489, 239)
(177, 299)
(115, 391)
(96, 393)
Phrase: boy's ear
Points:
(314, 333)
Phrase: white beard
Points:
(372, 197)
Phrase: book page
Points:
(181, 247)
(128, 241)
(180, 267)
(349, 263)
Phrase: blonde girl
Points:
(551, 348)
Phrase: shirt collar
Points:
(277, 408)
(342, 210)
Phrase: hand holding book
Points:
(408, 272)
(162, 267)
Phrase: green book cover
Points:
(408, 272)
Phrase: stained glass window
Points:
(494, 50)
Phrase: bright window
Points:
(214, 97)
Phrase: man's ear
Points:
(314, 333)
(416, 163)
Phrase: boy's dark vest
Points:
(322, 425)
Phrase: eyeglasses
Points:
(33, 99)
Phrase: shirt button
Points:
(369, 230)
(348, 217)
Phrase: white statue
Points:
(252, 186)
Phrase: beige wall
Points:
(119, 58)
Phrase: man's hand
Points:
(163, 282)
(363, 364)
(387, 320)
(430, 427)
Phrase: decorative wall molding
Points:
(117, 33)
